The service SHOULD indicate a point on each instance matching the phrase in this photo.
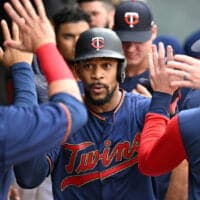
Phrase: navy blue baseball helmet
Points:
(101, 43)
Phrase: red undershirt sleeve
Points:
(52, 63)
(161, 147)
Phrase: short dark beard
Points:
(100, 102)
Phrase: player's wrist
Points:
(52, 63)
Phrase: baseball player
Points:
(21, 125)
(68, 23)
(176, 139)
(99, 161)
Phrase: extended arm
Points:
(40, 167)
(40, 128)
(161, 148)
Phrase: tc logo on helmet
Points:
(97, 43)
(131, 18)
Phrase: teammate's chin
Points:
(101, 100)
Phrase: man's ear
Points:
(154, 31)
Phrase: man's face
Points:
(99, 77)
(100, 17)
(67, 36)
(136, 53)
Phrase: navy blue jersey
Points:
(190, 100)
(100, 160)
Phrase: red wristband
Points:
(52, 63)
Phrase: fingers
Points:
(5, 30)
(151, 64)
(29, 9)
(178, 66)
(8, 41)
(170, 55)
(185, 59)
(183, 83)
(15, 31)
(40, 9)
(161, 53)
(182, 75)
(1, 54)
(143, 90)
(155, 55)
(21, 10)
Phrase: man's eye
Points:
(88, 66)
(67, 37)
(107, 65)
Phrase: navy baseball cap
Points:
(192, 44)
(133, 21)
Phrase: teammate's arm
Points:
(160, 140)
(40, 167)
(42, 127)
(161, 148)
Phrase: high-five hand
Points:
(34, 25)
(159, 77)
(10, 56)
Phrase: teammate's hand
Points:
(10, 56)
(13, 193)
(140, 89)
(187, 69)
(35, 28)
(159, 77)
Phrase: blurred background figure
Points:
(134, 24)
(101, 12)
(69, 23)
(190, 42)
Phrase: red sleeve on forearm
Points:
(161, 147)
(52, 63)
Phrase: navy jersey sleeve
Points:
(39, 128)
(32, 173)
(24, 85)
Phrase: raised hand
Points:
(10, 56)
(35, 28)
(159, 77)
(187, 69)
